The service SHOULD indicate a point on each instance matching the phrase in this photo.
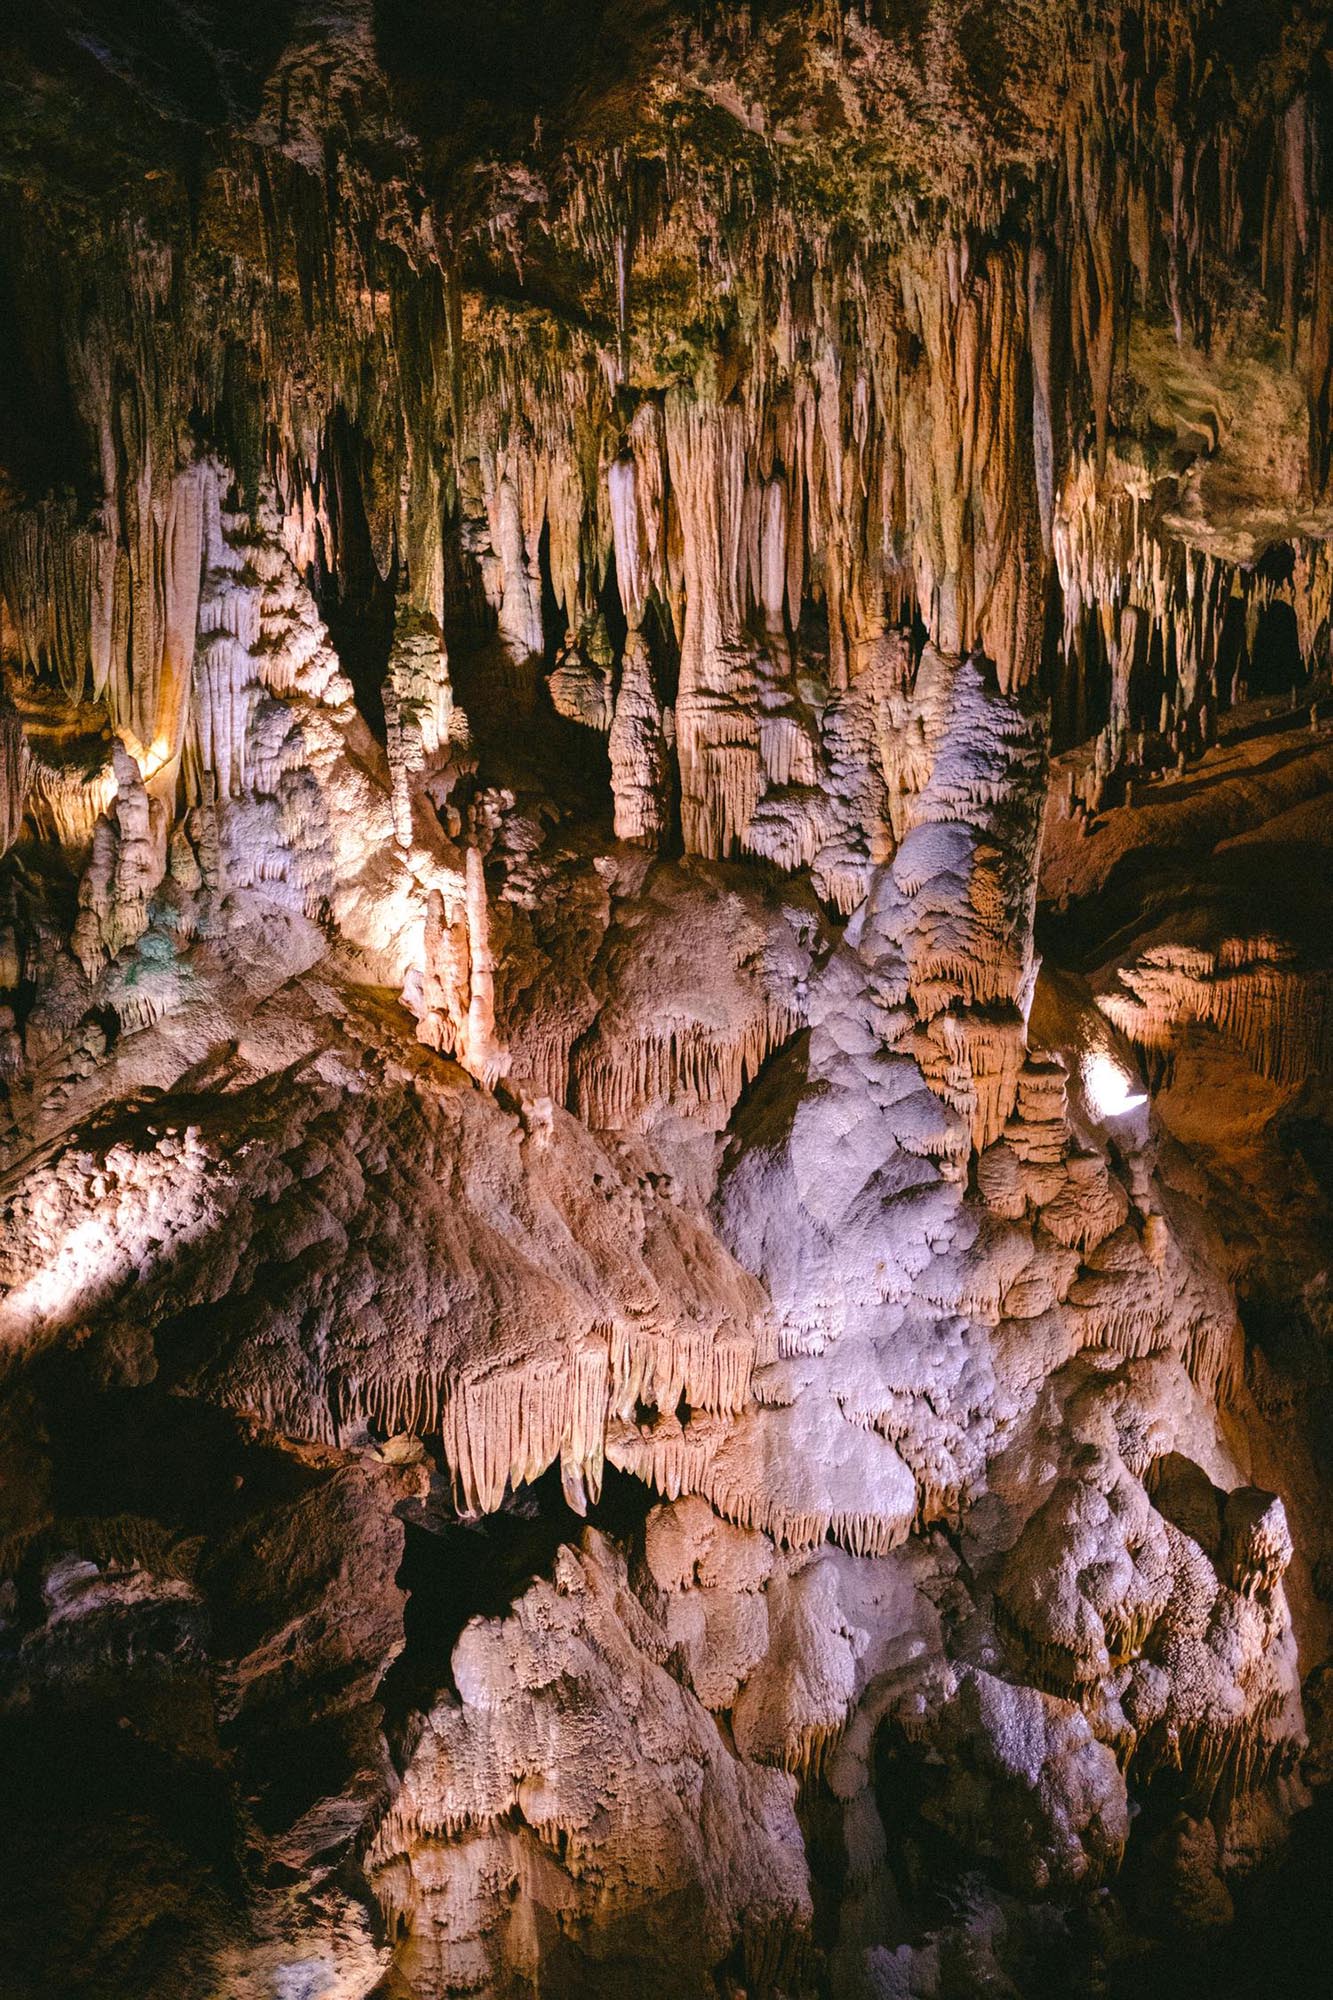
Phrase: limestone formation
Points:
(665, 999)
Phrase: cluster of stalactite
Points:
(1160, 637)
(1255, 991)
(504, 1429)
(911, 422)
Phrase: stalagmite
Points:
(639, 745)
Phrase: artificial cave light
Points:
(1109, 1087)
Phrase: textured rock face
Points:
(665, 1000)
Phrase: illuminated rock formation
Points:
(535, 1776)
(665, 996)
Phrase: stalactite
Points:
(974, 511)
(1252, 990)
(717, 737)
(485, 1056)
(580, 684)
(1256, 1548)
(418, 709)
(689, 1066)
(639, 746)
(15, 775)
(674, 1460)
(128, 861)
(502, 1430)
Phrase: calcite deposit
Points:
(666, 1006)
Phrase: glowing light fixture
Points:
(1109, 1087)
